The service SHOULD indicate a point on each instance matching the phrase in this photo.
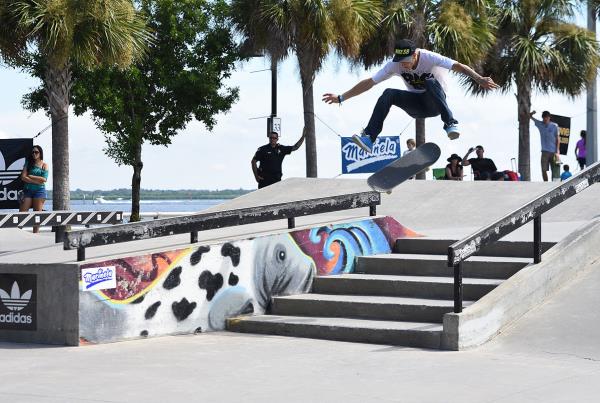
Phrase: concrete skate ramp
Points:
(566, 325)
(441, 209)
(433, 204)
(12, 239)
(576, 254)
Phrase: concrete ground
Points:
(552, 354)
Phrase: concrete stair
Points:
(396, 299)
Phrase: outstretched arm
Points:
(484, 82)
(465, 160)
(358, 89)
(299, 142)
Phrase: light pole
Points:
(591, 139)
(273, 122)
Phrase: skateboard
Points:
(403, 168)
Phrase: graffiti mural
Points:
(334, 247)
(195, 289)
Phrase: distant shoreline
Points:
(155, 194)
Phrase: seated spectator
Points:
(454, 170)
(566, 174)
(484, 169)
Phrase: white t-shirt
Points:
(430, 64)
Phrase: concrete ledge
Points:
(525, 290)
(53, 305)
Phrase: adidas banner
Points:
(18, 301)
(13, 153)
(355, 160)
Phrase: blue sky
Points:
(220, 159)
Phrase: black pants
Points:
(426, 104)
(267, 181)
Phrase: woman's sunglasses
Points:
(35, 152)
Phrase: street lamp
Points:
(273, 122)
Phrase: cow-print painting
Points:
(196, 289)
(204, 287)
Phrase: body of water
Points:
(146, 206)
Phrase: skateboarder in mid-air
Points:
(424, 73)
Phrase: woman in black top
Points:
(454, 170)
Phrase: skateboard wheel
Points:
(389, 192)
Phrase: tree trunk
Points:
(307, 74)
(524, 107)
(58, 85)
(309, 126)
(420, 139)
(136, 181)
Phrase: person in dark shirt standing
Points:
(271, 157)
(483, 168)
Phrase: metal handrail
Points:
(193, 223)
(533, 210)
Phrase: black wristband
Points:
(340, 99)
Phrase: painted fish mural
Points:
(196, 289)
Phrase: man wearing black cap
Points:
(423, 73)
(271, 157)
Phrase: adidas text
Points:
(6, 194)
(13, 317)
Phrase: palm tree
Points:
(311, 29)
(459, 29)
(59, 34)
(538, 49)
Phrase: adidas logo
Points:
(15, 301)
(10, 174)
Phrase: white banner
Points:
(99, 278)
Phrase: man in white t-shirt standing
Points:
(424, 74)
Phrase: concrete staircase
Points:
(396, 299)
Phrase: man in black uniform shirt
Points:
(270, 157)
(483, 168)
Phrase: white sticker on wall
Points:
(99, 278)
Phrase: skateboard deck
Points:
(403, 168)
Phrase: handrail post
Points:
(80, 254)
(59, 233)
(194, 237)
(291, 222)
(372, 210)
(458, 297)
(537, 239)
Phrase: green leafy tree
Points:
(537, 48)
(459, 29)
(192, 54)
(60, 34)
(311, 29)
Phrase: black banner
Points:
(564, 131)
(13, 153)
(18, 301)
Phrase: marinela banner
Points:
(355, 160)
(564, 132)
(13, 153)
